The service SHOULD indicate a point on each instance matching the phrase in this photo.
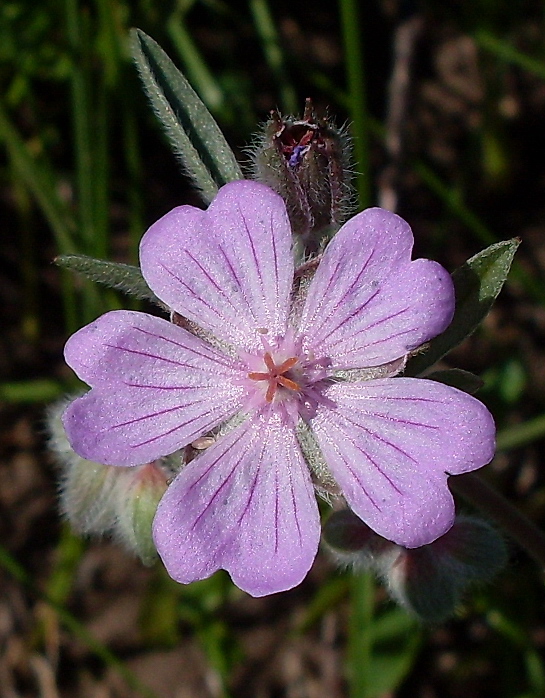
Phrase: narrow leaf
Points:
(123, 277)
(192, 131)
(477, 284)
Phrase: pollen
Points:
(276, 375)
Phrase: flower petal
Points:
(390, 444)
(230, 268)
(156, 387)
(246, 505)
(368, 304)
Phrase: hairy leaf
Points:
(192, 131)
(123, 277)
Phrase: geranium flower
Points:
(298, 387)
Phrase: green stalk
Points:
(270, 41)
(360, 642)
(357, 99)
(195, 68)
(521, 434)
(81, 124)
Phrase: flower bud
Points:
(137, 503)
(350, 541)
(429, 581)
(102, 499)
(87, 489)
(307, 162)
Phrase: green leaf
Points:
(192, 131)
(458, 378)
(123, 277)
(477, 284)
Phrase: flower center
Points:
(276, 376)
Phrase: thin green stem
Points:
(511, 520)
(81, 123)
(197, 71)
(264, 24)
(521, 434)
(357, 98)
(360, 648)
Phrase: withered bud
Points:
(307, 162)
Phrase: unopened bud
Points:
(87, 489)
(430, 581)
(307, 162)
(102, 499)
(137, 504)
(350, 541)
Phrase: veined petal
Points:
(156, 387)
(368, 304)
(229, 268)
(247, 506)
(390, 444)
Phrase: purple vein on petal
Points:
(276, 523)
(347, 319)
(147, 416)
(171, 431)
(389, 418)
(338, 303)
(275, 256)
(214, 497)
(195, 295)
(374, 435)
(381, 396)
(373, 325)
(221, 455)
(220, 359)
(208, 276)
(224, 483)
(169, 387)
(251, 493)
(325, 292)
(254, 255)
(293, 501)
(150, 356)
(340, 454)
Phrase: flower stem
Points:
(360, 644)
(514, 523)
(357, 99)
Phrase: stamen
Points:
(269, 362)
(255, 376)
(271, 390)
(288, 383)
(288, 363)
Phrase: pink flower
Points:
(300, 386)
